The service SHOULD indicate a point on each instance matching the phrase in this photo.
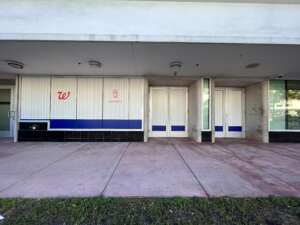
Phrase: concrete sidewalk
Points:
(159, 168)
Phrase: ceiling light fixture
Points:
(15, 64)
(95, 63)
(175, 66)
(252, 65)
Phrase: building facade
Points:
(133, 70)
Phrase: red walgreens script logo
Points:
(63, 95)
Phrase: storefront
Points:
(76, 108)
(80, 108)
(284, 110)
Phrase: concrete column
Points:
(265, 121)
(195, 110)
(253, 112)
(256, 112)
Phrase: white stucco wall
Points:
(157, 21)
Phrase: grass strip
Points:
(91, 211)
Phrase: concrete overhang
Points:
(152, 60)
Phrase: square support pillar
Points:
(256, 112)
(265, 121)
(195, 111)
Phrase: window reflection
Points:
(293, 105)
(205, 104)
(284, 103)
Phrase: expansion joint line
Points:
(115, 169)
(190, 169)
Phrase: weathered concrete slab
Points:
(152, 169)
(269, 167)
(85, 172)
(162, 167)
(217, 177)
(18, 161)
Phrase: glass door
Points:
(5, 113)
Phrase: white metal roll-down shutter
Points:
(35, 98)
(177, 112)
(158, 112)
(89, 100)
(234, 111)
(115, 105)
(229, 111)
(219, 113)
(168, 112)
(63, 98)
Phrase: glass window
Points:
(293, 105)
(4, 109)
(206, 104)
(277, 102)
(284, 102)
